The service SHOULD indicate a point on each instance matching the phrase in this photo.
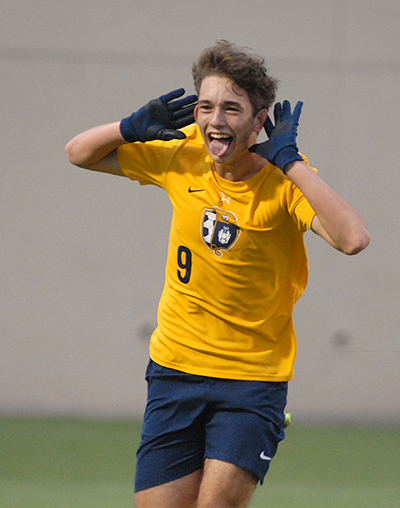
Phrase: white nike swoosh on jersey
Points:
(264, 457)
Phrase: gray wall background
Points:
(82, 254)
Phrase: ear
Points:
(259, 120)
(195, 112)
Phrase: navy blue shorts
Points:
(190, 418)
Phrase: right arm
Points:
(96, 149)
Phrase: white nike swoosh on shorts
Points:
(264, 457)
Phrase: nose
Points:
(218, 118)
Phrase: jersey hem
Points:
(219, 374)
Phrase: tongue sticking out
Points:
(219, 146)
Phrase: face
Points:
(225, 117)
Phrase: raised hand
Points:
(160, 118)
(280, 149)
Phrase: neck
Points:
(236, 171)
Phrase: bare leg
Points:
(180, 493)
(225, 485)
(221, 485)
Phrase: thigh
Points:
(180, 493)
(225, 485)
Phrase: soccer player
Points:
(223, 352)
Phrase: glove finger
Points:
(254, 148)
(188, 110)
(168, 134)
(297, 112)
(182, 103)
(261, 149)
(172, 95)
(268, 126)
(183, 121)
(286, 113)
(277, 113)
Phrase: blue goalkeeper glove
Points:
(280, 149)
(160, 118)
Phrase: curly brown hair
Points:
(244, 68)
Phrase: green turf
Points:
(65, 463)
(72, 463)
(334, 467)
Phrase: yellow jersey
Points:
(236, 263)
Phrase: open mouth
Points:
(219, 143)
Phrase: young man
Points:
(224, 348)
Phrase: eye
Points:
(233, 109)
(205, 107)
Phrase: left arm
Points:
(335, 221)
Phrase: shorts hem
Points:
(149, 484)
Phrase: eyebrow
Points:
(226, 103)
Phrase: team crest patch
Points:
(219, 229)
